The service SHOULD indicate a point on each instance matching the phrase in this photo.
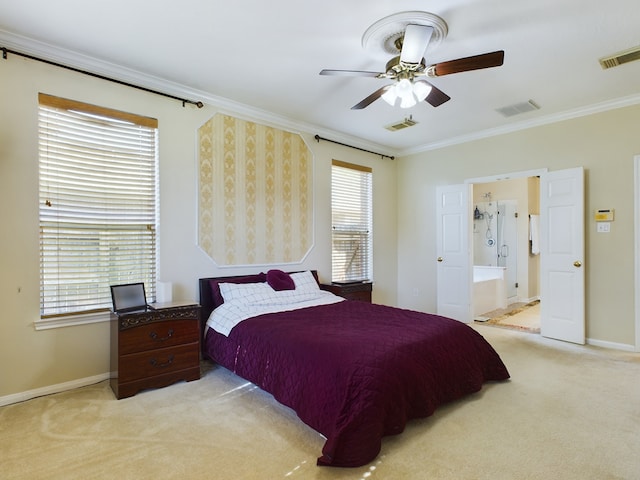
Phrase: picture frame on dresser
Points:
(128, 297)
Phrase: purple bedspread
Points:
(355, 371)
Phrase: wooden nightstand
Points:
(154, 348)
(351, 291)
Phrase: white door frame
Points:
(636, 196)
(508, 176)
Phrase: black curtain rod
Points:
(55, 64)
(318, 138)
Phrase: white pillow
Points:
(244, 291)
(305, 281)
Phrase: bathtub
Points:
(489, 289)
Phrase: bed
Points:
(353, 371)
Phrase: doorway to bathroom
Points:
(559, 274)
(505, 248)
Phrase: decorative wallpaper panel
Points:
(255, 193)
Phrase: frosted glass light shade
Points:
(421, 90)
(390, 96)
(404, 89)
(408, 101)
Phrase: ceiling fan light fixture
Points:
(408, 91)
(404, 90)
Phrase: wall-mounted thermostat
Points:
(604, 215)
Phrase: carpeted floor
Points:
(569, 412)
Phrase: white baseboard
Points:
(612, 345)
(83, 382)
(523, 300)
(48, 390)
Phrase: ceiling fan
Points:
(409, 69)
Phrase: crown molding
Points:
(80, 61)
(537, 122)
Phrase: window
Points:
(351, 219)
(98, 170)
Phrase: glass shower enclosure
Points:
(495, 238)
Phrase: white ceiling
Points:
(264, 58)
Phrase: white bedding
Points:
(242, 301)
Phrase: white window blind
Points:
(98, 176)
(351, 218)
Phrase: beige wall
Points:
(39, 360)
(604, 143)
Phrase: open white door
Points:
(453, 250)
(562, 255)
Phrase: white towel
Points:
(534, 233)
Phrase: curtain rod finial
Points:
(197, 104)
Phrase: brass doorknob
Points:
(577, 263)
(440, 259)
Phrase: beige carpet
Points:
(569, 412)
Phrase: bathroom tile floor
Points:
(518, 316)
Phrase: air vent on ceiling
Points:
(619, 58)
(518, 108)
(407, 122)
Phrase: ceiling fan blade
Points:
(414, 43)
(436, 96)
(371, 98)
(476, 62)
(349, 73)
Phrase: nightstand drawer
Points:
(158, 335)
(362, 295)
(351, 291)
(158, 362)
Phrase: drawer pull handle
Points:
(154, 336)
(155, 363)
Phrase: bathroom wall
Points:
(524, 191)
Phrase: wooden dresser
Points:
(351, 291)
(154, 348)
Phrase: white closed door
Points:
(453, 252)
(562, 255)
